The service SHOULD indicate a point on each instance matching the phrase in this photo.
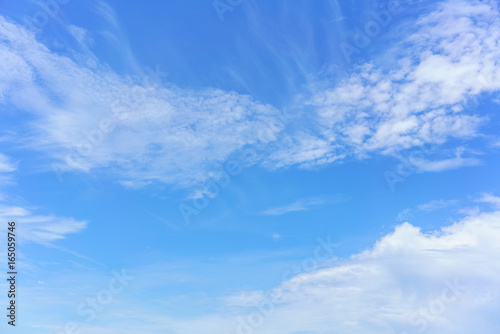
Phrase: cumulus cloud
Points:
(443, 281)
(446, 164)
(389, 287)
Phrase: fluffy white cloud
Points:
(444, 63)
(440, 282)
(446, 164)
(443, 281)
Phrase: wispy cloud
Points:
(437, 204)
(463, 206)
(6, 165)
(404, 215)
(6, 168)
(92, 118)
(447, 164)
(41, 229)
(490, 199)
(304, 204)
(441, 281)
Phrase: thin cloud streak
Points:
(304, 204)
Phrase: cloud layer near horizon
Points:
(410, 281)
(397, 286)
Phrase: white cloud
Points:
(447, 164)
(408, 213)
(435, 205)
(404, 215)
(444, 281)
(90, 119)
(304, 204)
(41, 229)
(490, 199)
(303, 149)
(81, 35)
(449, 56)
(93, 119)
(300, 205)
(388, 288)
(5, 164)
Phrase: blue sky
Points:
(252, 167)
